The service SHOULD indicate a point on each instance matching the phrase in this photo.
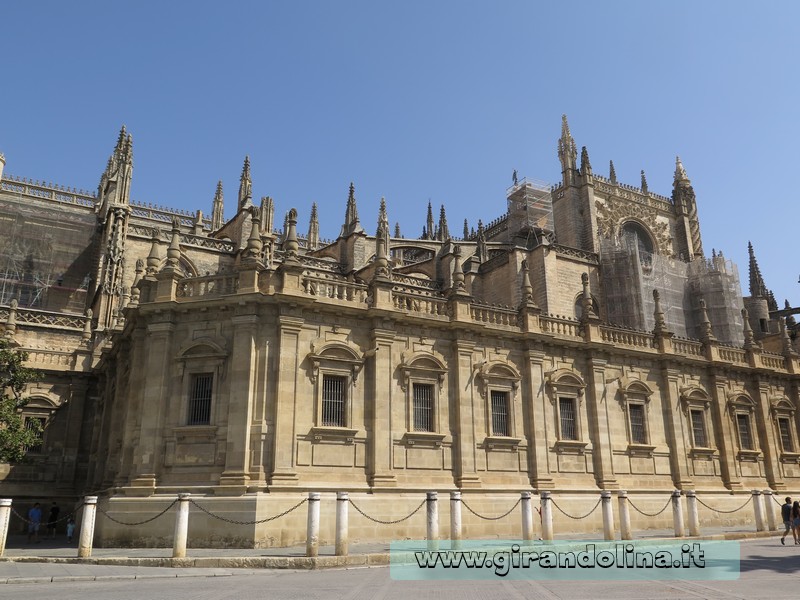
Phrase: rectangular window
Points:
(699, 428)
(638, 433)
(30, 423)
(745, 439)
(334, 396)
(200, 399)
(500, 413)
(786, 434)
(569, 423)
(423, 407)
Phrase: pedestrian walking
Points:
(52, 520)
(786, 515)
(796, 521)
(70, 529)
(34, 521)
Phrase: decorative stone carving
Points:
(613, 213)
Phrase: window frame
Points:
(637, 393)
(567, 384)
(741, 405)
(697, 399)
(782, 409)
(201, 356)
(499, 377)
(193, 377)
(422, 369)
(339, 360)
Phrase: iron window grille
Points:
(334, 398)
(200, 399)
(500, 413)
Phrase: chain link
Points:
(110, 518)
(62, 519)
(778, 502)
(374, 520)
(485, 518)
(725, 512)
(235, 522)
(566, 514)
(647, 514)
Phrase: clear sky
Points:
(415, 100)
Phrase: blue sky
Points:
(415, 101)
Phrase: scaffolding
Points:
(530, 209)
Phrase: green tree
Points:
(15, 435)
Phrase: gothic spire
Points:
(466, 229)
(351, 222)
(313, 228)
(567, 151)
(218, 208)
(245, 185)
(397, 230)
(586, 166)
(680, 172)
(612, 173)
(644, 182)
(383, 218)
(430, 225)
(757, 287)
(443, 230)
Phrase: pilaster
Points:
(534, 398)
(380, 424)
(725, 434)
(770, 446)
(673, 422)
(596, 410)
(462, 398)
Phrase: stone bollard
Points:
(758, 510)
(527, 517)
(624, 516)
(455, 520)
(342, 508)
(432, 513)
(87, 527)
(5, 515)
(181, 527)
(608, 515)
(312, 527)
(547, 517)
(677, 514)
(769, 509)
(694, 517)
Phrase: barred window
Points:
(200, 399)
(334, 396)
(500, 413)
(568, 418)
(745, 437)
(30, 424)
(638, 430)
(423, 407)
(785, 428)
(699, 428)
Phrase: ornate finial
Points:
(658, 313)
(254, 244)
(749, 338)
(87, 326)
(135, 291)
(430, 224)
(381, 262)
(313, 228)
(397, 230)
(153, 259)
(757, 286)
(586, 166)
(458, 271)
(527, 288)
(218, 208)
(245, 185)
(443, 230)
(786, 341)
(644, 183)
(567, 151)
(680, 172)
(290, 244)
(588, 306)
(706, 332)
(174, 249)
(466, 229)
(351, 222)
(612, 173)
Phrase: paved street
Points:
(768, 570)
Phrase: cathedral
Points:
(580, 341)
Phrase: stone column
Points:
(765, 439)
(527, 517)
(535, 411)
(462, 399)
(432, 514)
(87, 527)
(758, 510)
(283, 455)
(547, 517)
(342, 508)
(181, 527)
(379, 441)
(596, 405)
(726, 434)
(155, 394)
(608, 515)
(5, 515)
(677, 438)
(312, 525)
(624, 516)
(769, 510)
(241, 394)
(677, 514)
(455, 519)
(694, 517)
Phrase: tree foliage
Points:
(15, 436)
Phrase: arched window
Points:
(636, 236)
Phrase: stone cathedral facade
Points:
(581, 341)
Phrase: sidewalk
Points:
(52, 560)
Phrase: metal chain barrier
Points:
(778, 502)
(43, 522)
(374, 520)
(258, 522)
(566, 514)
(725, 512)
(110, 518)
(646, 514)
(485, 518)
